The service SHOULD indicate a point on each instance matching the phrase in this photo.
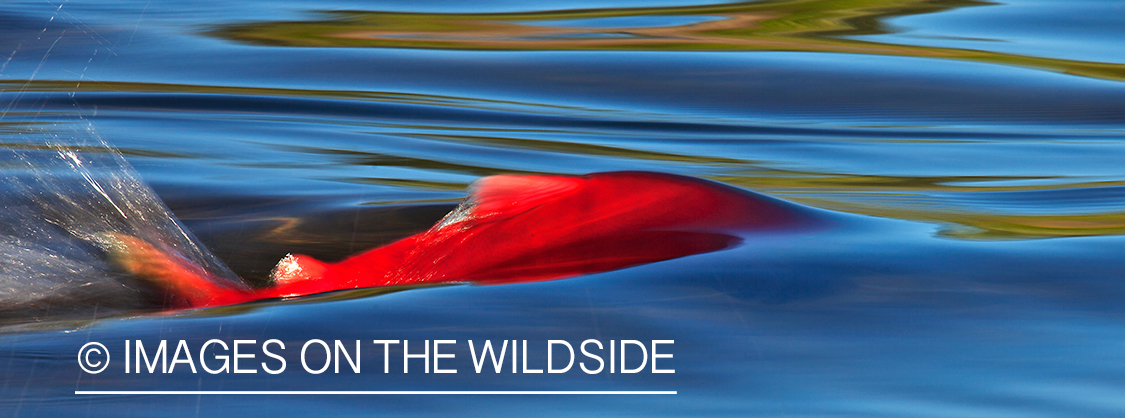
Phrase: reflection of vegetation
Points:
(845, 192)
(578, 148)
(970, 225)
(72, 86)
(772, 25)
(849, 192)
(88, 149)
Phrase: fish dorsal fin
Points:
(507, 195)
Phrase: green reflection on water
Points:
(74, 86)
(987, 226)
(781, 25)
(848, 192)
(865, 194)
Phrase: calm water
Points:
(971, 152)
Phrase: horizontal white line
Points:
(374, 392)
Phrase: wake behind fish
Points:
(62, 205)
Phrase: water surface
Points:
(971, 152)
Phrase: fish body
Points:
(518, 228)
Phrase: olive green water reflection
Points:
(782, 25)
(891, 196)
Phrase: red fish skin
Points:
(519, 228)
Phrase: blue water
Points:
(970, 153)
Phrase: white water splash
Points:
(61, 201)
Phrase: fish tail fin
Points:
(189, 283)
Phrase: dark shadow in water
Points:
(252, 234)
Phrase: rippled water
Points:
(971, 151)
